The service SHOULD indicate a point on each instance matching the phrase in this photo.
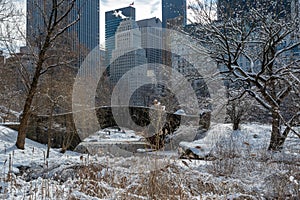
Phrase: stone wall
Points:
(64, 132)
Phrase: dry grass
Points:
(173, 181)
(234, 174)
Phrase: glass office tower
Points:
(86, 29)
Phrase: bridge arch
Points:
(65, 128)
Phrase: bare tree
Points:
(10, 16)
(55, 93)
(58, 18)
(259, 48)
(237, 108)
(10, 91)
(53, 103)
(10, 86)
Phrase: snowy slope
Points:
(245, 170)
(252, 139)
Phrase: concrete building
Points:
(151, 38)
(151, 41)
(128, 54)
(113, 19)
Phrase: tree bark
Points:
(50, 131)
(26, 113)
(20, 143)
(276, 138)
(236, 124)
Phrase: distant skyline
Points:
(144, 9)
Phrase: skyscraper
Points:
(86, 30)
(88, 27)
(113, 19)
(127, 55)
(172, 9)
(174, 14)
(151, 38)
(151, 30)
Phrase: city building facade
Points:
(240, 8)
(172, 9)
(127, 55)
(151, 38)
(113, 19)
(151, 41)
(85, 31)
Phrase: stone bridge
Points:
(65, 134)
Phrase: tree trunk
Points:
(26, 114)
(236, 123)
(27, 107)
(33, 86)
(284, 136)
(50, 131)
(276, 138)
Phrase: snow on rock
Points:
(112, 142)
(203, 147)
(183, 133)
(180, 112)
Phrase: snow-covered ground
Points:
(111, 134)
(10, 115)
(252, 139)
(239, 167)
